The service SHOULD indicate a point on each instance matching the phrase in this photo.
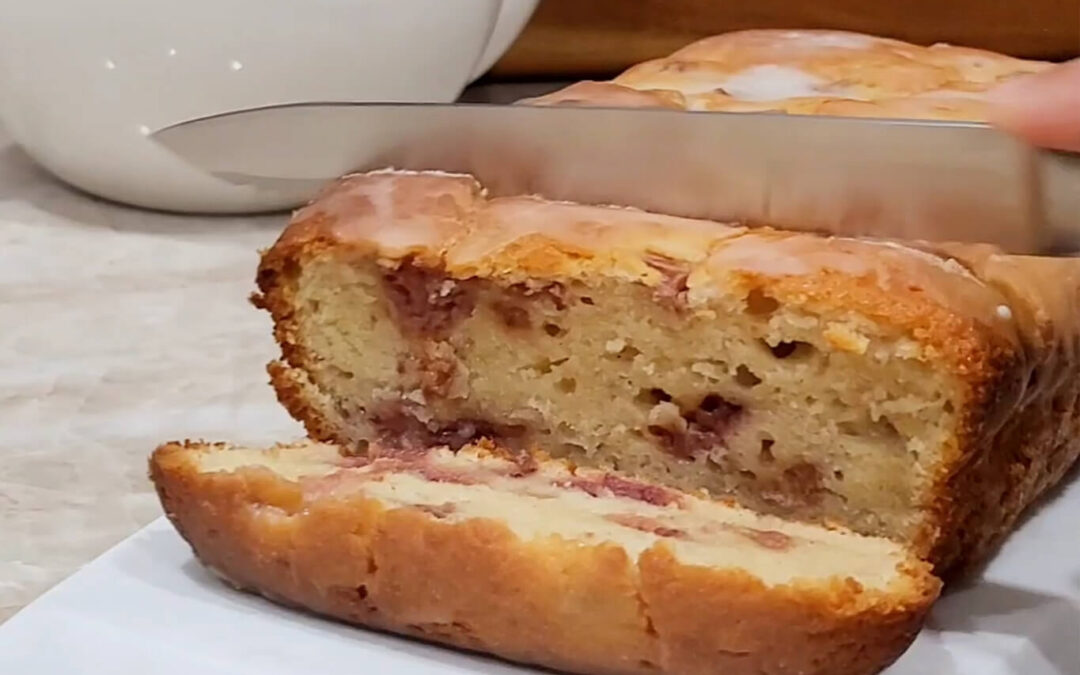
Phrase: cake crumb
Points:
(615, 346)
(846, 338)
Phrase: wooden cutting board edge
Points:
(599, 38)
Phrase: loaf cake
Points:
(542, 563)
(603, 440)
(927, 394)
(814, 72)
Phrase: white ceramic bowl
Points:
(513, 16)
(82, 82)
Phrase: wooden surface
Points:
(601, 37)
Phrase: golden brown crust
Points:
(475, 585)
(300, 397)
(809, 72)
(1024, 433)
(1004, 325)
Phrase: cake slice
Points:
(542, 563)
(923, 394)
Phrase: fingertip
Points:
(1043, 108)
(1009, 105)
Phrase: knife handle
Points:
(1059, 185)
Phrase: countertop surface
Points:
(119, 329)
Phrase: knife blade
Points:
(909, 179)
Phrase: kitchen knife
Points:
(906, 179)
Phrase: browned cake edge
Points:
(1020, 431)
(477, 586)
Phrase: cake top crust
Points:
(447, 221)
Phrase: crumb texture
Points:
(868, 383)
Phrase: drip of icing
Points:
(947, 264)
(830, 39)
(409, 172)
(772, 82)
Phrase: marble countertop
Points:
(119, 329)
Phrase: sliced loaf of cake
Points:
(926, 394)
(539, 562)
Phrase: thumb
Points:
(1043, 109)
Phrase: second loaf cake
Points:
(809, 72)
(925, 395)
